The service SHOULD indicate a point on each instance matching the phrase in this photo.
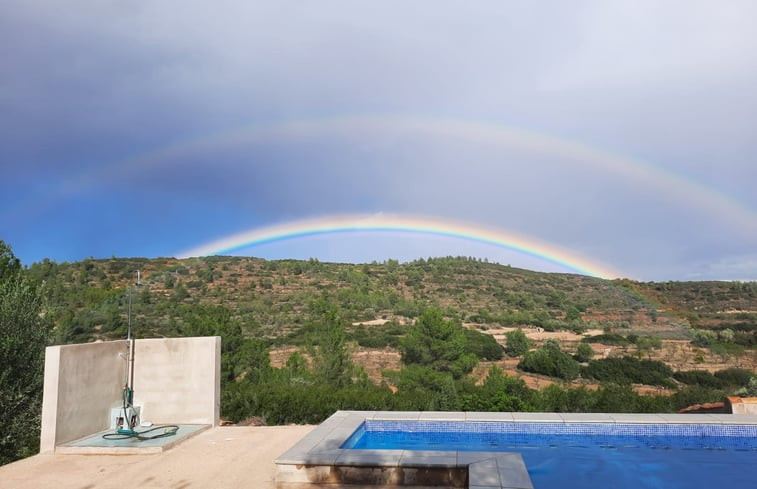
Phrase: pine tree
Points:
(23, 337)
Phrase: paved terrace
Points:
(224, 457)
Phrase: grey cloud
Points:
(88, 89)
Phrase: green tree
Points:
(180, 293)
(499, 392)
(517, 344)
(550, 360)
(584, 352)
(254, 360)
(328, 348)
(735, 377)
(422, 388)
(554, 398)
(23, 337)
(703, 337)
(483, 345)
(216, 321)
(573, 314)
(727, 335)
(650, 342)
(446, 399)
(438, 344)
(297, 364)
(616, 398)
(10, 266)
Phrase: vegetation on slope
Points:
(88, 298)
(435, 314)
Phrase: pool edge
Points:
(319, 459)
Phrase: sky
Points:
(616, 134)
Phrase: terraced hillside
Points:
(274, 299)
(88, 299)
(600, 343)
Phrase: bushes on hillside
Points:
(499, 392)
(729, 380)
(517, 343)
(387, 335)
(734, 377)
(613, 339)
(483, 345)
(584, 352)
(701, 378)
(550, 360)
(629, 370)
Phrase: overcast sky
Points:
(624, 132)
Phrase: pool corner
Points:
(320, 458)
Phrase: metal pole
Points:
(132, 345)
(127, 385)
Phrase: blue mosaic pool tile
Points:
(611, 429)
(437, 435)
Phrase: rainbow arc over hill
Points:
(402, 223)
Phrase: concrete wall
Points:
(176, 380)
(82, 383)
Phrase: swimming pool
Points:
(539, 450)
(589, 455)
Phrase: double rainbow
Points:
(702, 199)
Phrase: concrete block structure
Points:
(176, 380)
(741, 405)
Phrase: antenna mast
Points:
(129, 382)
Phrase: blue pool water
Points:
(586, 455)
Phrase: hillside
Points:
(88, 299)
(590, 344)
(273, 299)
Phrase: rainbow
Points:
(403, 223)
(678, 188)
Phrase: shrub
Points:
(695, 394)
(736, 377)
(703, 337)
(550, 361)
(627, 370)
(484, 346)
(607, 339)
(517, 343)
(701, 378)
(584, 352)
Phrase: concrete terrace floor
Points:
(222, 457)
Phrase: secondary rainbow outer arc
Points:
(446, 228)
(679, 188)
(686, 191)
